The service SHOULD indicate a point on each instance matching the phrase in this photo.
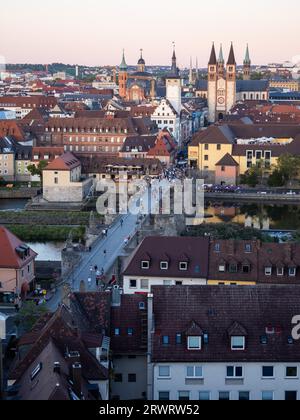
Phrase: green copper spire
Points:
(247, 56)
(123, 65)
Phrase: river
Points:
(50, 251)
(258, 216)
(15, 204)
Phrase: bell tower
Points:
(141, 63)
(123, 77)
(230, 80)
(212, 85)
(247, 65)
(173, 84)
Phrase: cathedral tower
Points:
(123, 77)
(230, 81)
(212, 85)
(247, 65)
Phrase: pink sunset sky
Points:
(94, 32)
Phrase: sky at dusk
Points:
(94, 32)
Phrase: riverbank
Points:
(42, 234)
(19, 193)
(57, 218)
(255, 197)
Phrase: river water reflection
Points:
(259, 216)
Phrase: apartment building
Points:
(223, 344)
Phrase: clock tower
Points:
(173, 85)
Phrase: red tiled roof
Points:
(9, 257)
(227, 160)
(220, 311)
(65, 162)
(196, 249)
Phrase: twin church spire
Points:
(220, 62)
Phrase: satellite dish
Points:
(3, 319)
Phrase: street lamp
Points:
(2, 337)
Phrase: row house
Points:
(247, 144)
(23, 105)
(161, 147)
(14, 160)
(227, 344)
(94, 136)
(167, 261)
(121, 169)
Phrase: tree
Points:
(289, 166)
(38, 170)
(252, 176)
(29, 314)
(276, 179)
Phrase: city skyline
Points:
(96, 34)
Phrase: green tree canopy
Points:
(289, 166)
(38, 170)
(29, 314)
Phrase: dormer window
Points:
(280, 271)
(164, 265)
(222, 268)
(194, 343)
(233, 268)
(292, 271)
(246, 268)
(238, 343)
(145, 265)
(268, 271)
(183, 266)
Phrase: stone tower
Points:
(141, 64)
(212, 85)
(173, 84)
(123, 78)
(247, 65)
(230, 80)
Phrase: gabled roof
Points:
(216, 309)
(9, 258)
(171, 249)
(65, 162)
(49, 385)
(65, 331)
(227, 160)
(237, 330)
(194, 330)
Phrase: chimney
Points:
(73, 357)
(116, 297)
(56, 368)
(77, 378)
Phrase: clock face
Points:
(221, 101)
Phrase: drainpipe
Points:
(149, 349)
(2, 337)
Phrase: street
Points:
(113, 245)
